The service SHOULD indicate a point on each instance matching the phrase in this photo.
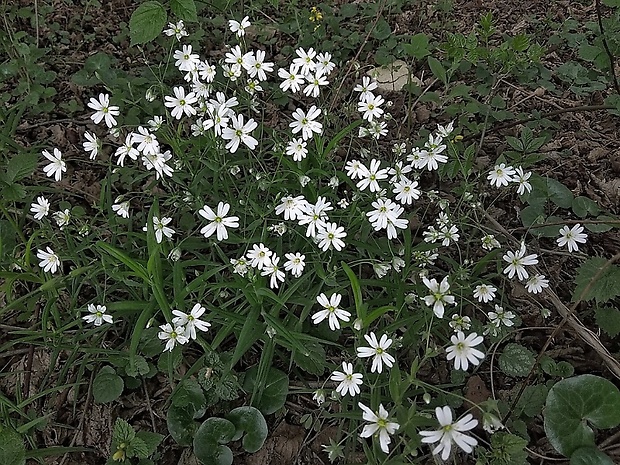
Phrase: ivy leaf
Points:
(604, 288)
(575, 403)
(252, 422)
(608, 318)
(209, 441)
(107, 386)
(516, 360)
(147, 22)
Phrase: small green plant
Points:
(128, 445)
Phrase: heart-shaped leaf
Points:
(251, 421)
(181, 424)
(107, 386)
(275, 389)
(575, 403)
(590, 456)
(209, 441)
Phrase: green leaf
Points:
(418, 47)
(107, 386)
(608, 318)
(582, 206)
(603, 286)
(151, 440)
(181, 424)
(12, 449)
(590, 456)
(251, 421)
(184, 9)
(123, 432)
(360, 308)
(510, 448)
(209, 440)
(559, 194)
(313, 361)
(189, 392)
(21, 166)
(138, 366)
(147, 22)
(589, 52)
(575, 403)
(611, 3)
(275, 390)
(516, 360)
(437, 69)
(532, 400)
(602, 227)
(137, 448)
(382, 30)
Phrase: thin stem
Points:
(612, 63)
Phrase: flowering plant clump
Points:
(243, 218)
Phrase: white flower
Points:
(57, 165)
(319, 397)
(501, 317)
(185, 59)
(272, 270)
(293, 79)
(103, 110)
(450, 433)
(324, 64)
(331, 235)
(355, 169)
(40, 208)
(384, 211)
(570, 236)
(240, 132)
(97, 315)
(240, 266)
(406, 191)
(489, 242)
(431, 155)
(161, 228)
(445, 131)
(460, 323)
(147, 142)
(330, 311)
(258, 67)
(121, 208)
(62, 218)
(305, 60)
(522, 179)
(371, 107)
(297, 149)
(177, 30)
(239, 28)
(379, 426)
(463, 352)
(438, 297)
(365, 88)
(449, 235)
(305, 122)
(485, 293)
(377, 350)
(157, 161)
(156, 123)
(517, 263)
(91, 145)
(292, 207)
(172, 336)
(191, 321)
(314, 84)
(219, 221)
(536, 283)
(49, 260)
(181, 103)
(501, 175)
(370, 177)
(315, 216)
(126, 150)
(295, 263)
(259, 256)
(490, 423)
(238, 58)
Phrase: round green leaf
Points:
(251, 421)
(516, 360)
(189, 392)
(12, 450)
(275, 389)
(147, 22)
(181, 424)
(107, 386)
(209, 440)
(575, 403)
(590, 456)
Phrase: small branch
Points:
(612, 63)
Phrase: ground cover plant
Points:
(280, 233)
